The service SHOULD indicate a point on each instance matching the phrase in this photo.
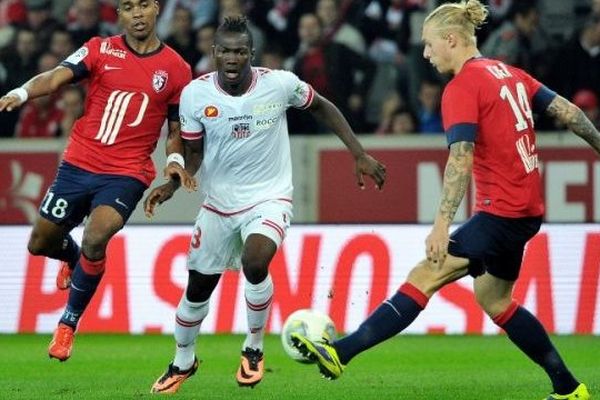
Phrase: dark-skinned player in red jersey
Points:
(134, 84)
(487, 113)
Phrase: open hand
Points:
(157, 196)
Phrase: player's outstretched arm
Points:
(40, 85)
(575, 119)
(328, 113)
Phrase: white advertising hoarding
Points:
(343, 270)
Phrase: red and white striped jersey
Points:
(129, 97)
(246, 144)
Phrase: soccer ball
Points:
(313, 324)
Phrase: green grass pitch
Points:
(406, 367)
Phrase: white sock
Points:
(188, 319)
(258, 306)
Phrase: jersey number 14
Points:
(520, 107)
(522, 111)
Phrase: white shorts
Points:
(218, 239)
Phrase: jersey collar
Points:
(249, 90)
(153, 52)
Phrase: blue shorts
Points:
(75, 192)
(494, 244)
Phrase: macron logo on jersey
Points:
(211, 112)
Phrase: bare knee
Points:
(94, 243)
(46, 238)
(104, 222)
(200, 286)
(255, 268)
(42, 245)
(494, 295)
(38, 245)
(422, 278)
(427, 278)
(256, 257)
(492, 305)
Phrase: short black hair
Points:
(236, 24)
(591, 21)
(120, 2)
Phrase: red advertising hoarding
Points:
(571, 179)
(24, 179)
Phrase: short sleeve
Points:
(81, 62)
(184, 76)
(460, 112)
(299, 94)
(541, 95)
(191, 127)
(542, 99)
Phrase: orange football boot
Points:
(171, 380)
(63, 278)
(251, 369)
(62, 342)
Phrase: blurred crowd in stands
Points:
(364, 55)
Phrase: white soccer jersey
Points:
(246, 144)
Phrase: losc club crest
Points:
(159, 80)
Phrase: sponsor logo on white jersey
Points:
(211, 112)
(264, 108)
(241, 130)
(266, 122)
(244, 117)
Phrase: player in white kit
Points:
(234, 125)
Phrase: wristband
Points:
(20, 93)
(176, 158)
